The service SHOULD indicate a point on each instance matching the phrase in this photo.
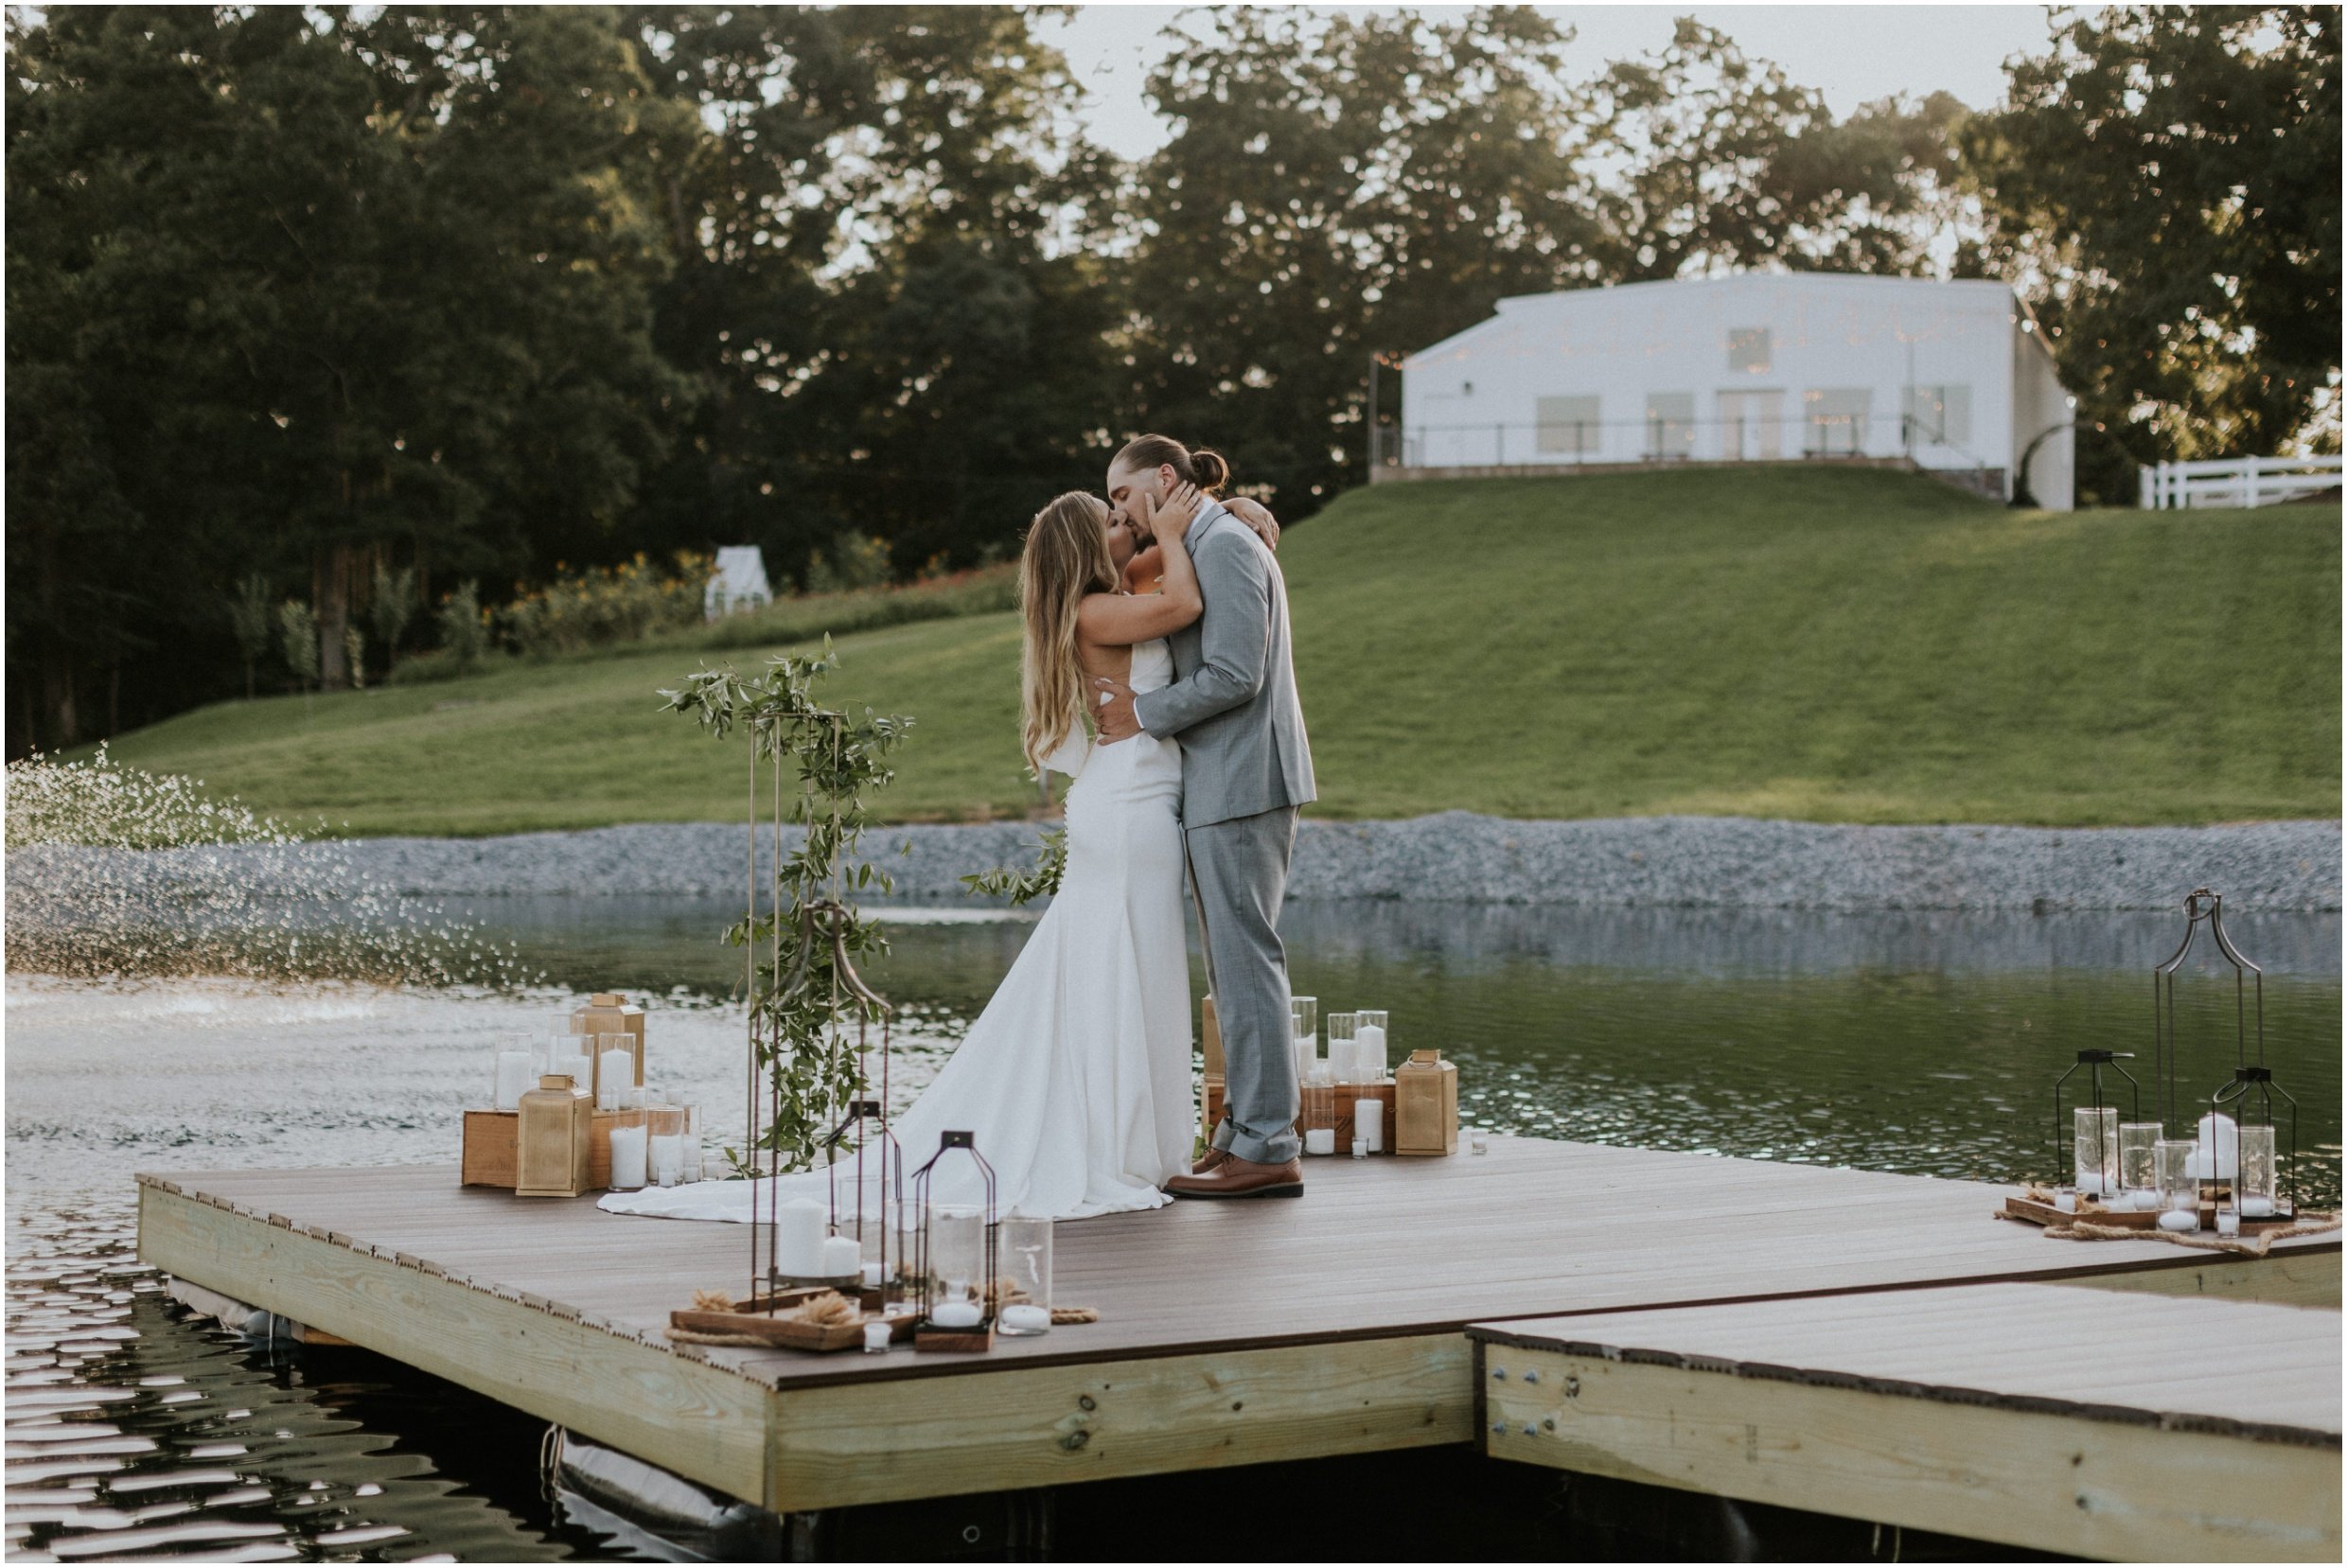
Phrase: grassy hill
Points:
(1833, 645)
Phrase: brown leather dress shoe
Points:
(1243, 1178)
(1211, 1158)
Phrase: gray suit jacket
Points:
(1232, 705)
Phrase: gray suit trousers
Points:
(1239, 869)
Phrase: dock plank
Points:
(2102, 1424)
(1346, 1313)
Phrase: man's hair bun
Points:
(1211, 471)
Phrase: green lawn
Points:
(1834, 644)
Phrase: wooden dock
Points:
(2101, 1425)
(1230, 1333)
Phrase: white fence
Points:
(2237, 481)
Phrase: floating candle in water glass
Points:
(2259, 1184)
(1026, 1242)
(2227, 1220)
(1360, 1147)
(876, 1334)
(2139, 1180)
(2179, 1189)
(2096, 1155)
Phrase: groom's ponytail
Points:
(1209, 471)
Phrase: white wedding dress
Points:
(1074, 1082)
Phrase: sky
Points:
(1851, 54)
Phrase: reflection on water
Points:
(1918, 1043)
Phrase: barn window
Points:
(1670, 425)
(1940, 414)
(1567, 427)
(1748, 348)
(1835, 420)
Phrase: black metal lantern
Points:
(2246, 1100)
(2104, 1164)
(952, 1320)
(878, 1181)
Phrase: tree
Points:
(297, 633)
(391, 605)
(1732, 166)
(2165, 184)
(248, 617)
(1331, 187)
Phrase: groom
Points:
(1246, 770)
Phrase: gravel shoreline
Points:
(1685, 862)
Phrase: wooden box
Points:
(490, 1158)
(1210, 1111)
(1211, 1040)
(608, 1012)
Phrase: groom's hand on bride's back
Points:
(1112, 710)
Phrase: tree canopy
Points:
(306, 300)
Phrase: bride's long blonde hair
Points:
(1067, 558)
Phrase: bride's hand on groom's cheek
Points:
(1112, 710)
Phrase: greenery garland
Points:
(1023, 887)
(801, 948)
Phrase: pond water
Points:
(1923, 1043)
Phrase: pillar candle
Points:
(2180, 1219)
(2258, 1206)
(1307, 1052)
(799, 1239)
(1320, 1140)
(841, 1259)
(1368, 1053)
(1340, 1060)
(1368, 1117)
(514, 1079)
(627, 1157)
(873, 1281)
(955, 1314)
(2227, 1223)
(615, 1074)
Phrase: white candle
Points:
(667, 1158)
(613, 1076)
(1360, 1147)
(955, 1314)
(2227, 1223)
(1027, 1318)
(2143, 1197)
(799, 1239)
(2180, 1219)
(2257, 1207)
(1340, 1060)
(1476, 1144)
(1368, 1053)
(514, 1079)
(841, 1257)
(626, 1157)
(1307, 1052)
(877, 1334)
(872, 1275)
(2091, 1180)
(2065, 1203)
(1369, 1116)
(1320, 1140)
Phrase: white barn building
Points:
(1755, 367)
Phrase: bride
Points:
(1075, 1080)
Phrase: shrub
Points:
(621, 604)
(856, 560)
(297, 633)
(464, 631)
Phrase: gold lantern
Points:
(1426, 1105)
(608, 1012)
(553, 1140)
